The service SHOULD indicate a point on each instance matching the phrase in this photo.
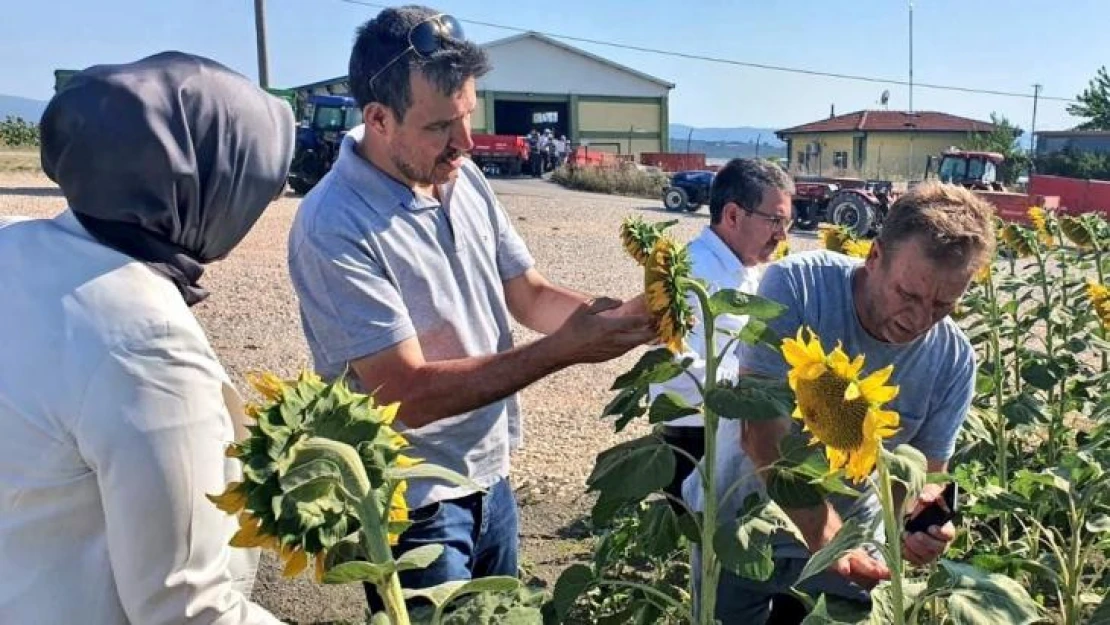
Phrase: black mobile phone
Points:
(936, 514)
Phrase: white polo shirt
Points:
(711, 260)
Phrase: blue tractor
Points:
(327, 120)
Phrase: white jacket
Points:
(114, 416)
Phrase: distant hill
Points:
(740, 134)
(728, 149)
(30, 110)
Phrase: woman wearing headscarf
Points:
(114, 410)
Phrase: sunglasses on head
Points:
(426, 38)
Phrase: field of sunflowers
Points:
(324, 471)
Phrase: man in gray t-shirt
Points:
(893, 309)
(408, 272)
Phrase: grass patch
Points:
(622, 180)
(19, 159)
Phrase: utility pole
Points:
(1033, 126)
(260, 39)
(911, 56)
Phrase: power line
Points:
(749, 64)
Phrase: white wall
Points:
(531, 65)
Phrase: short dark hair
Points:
(381, 39)
(743, 181)
(955, 226)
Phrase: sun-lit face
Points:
(427, 147)
(907, 293)
(754, 235)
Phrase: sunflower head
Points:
(666, 268)
(1099, 296)
(840, 409)
(833, 238)
(782, 250)
(1042, 225)
(857, 248)
(287, 501)
(638, 237)
(1019, 240)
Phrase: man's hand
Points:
(591, 336)
(922, 548)
(860, 568)
(635, 307)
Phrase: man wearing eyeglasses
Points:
(407, 270)
(749, 215)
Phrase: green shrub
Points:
(622, 180)
(17, 132)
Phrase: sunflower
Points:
(1017, 240)
(985, 273)
(638, 237)
(834, 237)
(841, 410)
(303, 518)
(782, 250)
(858, 248)
(1039, 219)
(666, 267)
(1099, 295)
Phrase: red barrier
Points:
(673, 161)
(1076, 195)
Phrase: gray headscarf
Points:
(170, 159)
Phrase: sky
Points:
(998, 45)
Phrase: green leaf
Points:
(654, 367)
(380, 618)
(1023, 410)
(360, 572)
(419, 558)
(850, 536)
(751, 399)
(437, 595)
(628, 404)
(316, 470)
(1099, 524)
(733, 302)
(1040, 375)
(571, 584)
(975, 597)
(428, 471)
(495, 584)
(907, 465)
(660, 533)
(632, 470)
(668, 407)
(799, 478)
(744, 544)
(820, 615)
(756, 332)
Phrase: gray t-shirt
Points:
(374, 264)
(935, 375)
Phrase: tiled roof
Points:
(893, 121)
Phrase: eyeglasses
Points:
(426, 39)
(777, 223)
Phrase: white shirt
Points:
(712, 261)
(115, 413)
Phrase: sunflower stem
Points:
(893, 540)
(375, 540)
(1101, 280)
(710, 567)
(1002, 444)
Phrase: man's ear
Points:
(731, 213)
(377, 118)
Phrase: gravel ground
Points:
(252, 322)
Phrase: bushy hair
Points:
(955, 226)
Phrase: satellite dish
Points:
(883, 99)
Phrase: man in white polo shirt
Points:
(750, 214)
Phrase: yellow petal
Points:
(812, 371)
(269, 385)
(232, 500)
(851, 391)
(320, 568)
(389, 413)
(837, 458)
(249, 534)
(872, 387)
(296, 562)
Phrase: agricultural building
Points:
(539, 82)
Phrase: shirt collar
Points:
(373, 184)
(720, 251)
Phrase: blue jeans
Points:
(479, 534)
